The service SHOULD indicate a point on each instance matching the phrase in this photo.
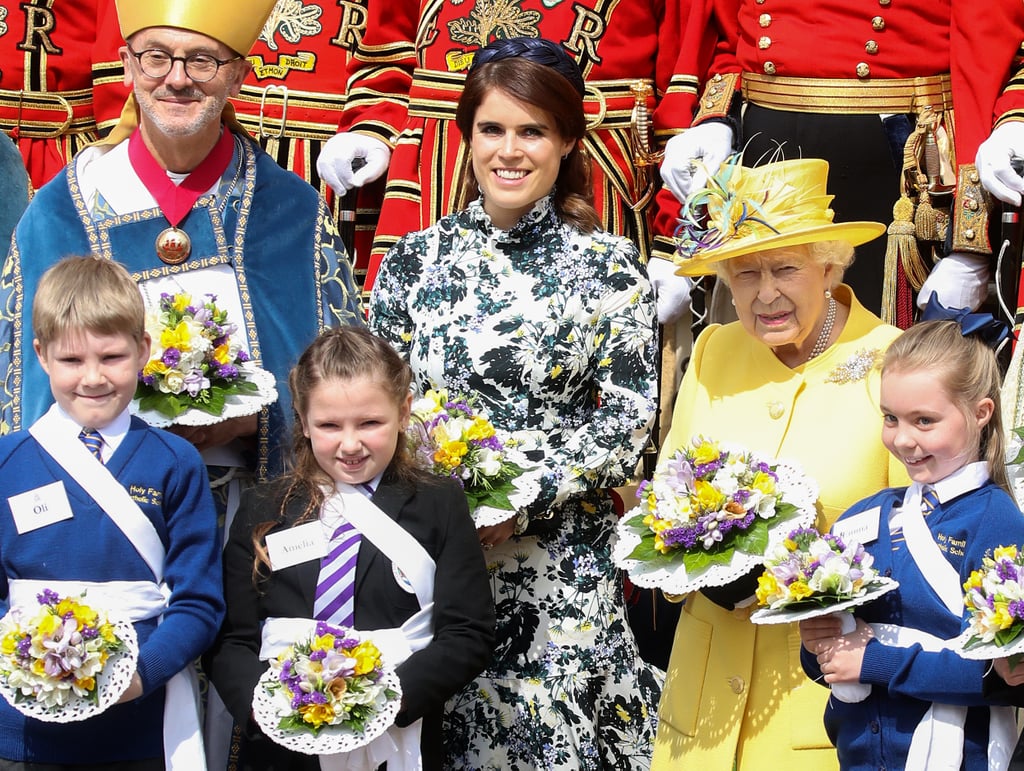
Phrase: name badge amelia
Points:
(862, 528)
(296, 545)
(40, 507)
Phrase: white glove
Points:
(671, 291)
(710, 143)
(337, 164)
(959, 280)
(993, 162)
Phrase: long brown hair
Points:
(968, 371)
(544, 88)
(337, 356)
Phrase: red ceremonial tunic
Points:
(60, 78)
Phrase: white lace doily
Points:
(235, 405)
(111, 682)
(527, 488)
(987, 651)
(793, 487)
(789, 615)
(269, 707)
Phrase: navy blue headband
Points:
(535, 49)
(984, 326)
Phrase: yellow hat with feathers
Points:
(235, 23)
(743, 210)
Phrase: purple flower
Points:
(48, 597)
(171, 357)
(1016, 608)
(196, 381)
(227, 371)
(1006, 571)
(243, 356)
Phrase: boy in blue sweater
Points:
(130, 521)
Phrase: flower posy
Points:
(55, 655)
(458, 441)
(333, 678)
(703, 503)
(194, 362)
(994, 595)
(809, 568)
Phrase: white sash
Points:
(396, 543)
(102, 487)
(938, 740)
(183, 740)
(935, 568)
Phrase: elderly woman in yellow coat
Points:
(796, 378)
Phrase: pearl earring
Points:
(828, 294)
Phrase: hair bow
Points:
(984, 326)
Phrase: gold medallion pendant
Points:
(173, 246)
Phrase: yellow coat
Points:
(736, 690)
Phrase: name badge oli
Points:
(40, 507)
(296, 545)
(862, 527)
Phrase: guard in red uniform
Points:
(292, 101)
(60, 81)
(872, 88)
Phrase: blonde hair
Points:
(87, 294)
(340, 354)
(968, 371)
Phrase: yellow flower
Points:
(178, 337)
(707, 498)
(181, 302)
(9, 644)
(790, 544)
(324, 642)
(107, 633)
(47, 625)
(767, 586)
(764, 483)
(316, 714)
(86, 683)
(974, 581)
(705, 453)
(438, 398)
(222, 353)
(1001, 616)
(480, 428)
(450, 454)
(1005, 552)
(38, 667)
(799, 590)
(154, 367)
(367, 657)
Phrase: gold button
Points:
(863, 70)
(765, 19)
(972, 177)
(969, 234)
(764, 43)
(709, 103)
(759, 2)
(878, 23)
(776, 410)
(885, 3)
(717, 78)
(971, 204)
(769, 68)
(871, 47)
(736, 685)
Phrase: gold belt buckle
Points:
(602, 105)
(273, 88)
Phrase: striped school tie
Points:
(929, 501)
(93, 441)
(334, 601)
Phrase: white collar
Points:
(113, 433)
(963, 480)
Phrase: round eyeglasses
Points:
(200, 68)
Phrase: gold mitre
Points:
(235, 23)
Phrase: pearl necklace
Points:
(826, 330)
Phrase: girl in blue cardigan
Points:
(922, 705)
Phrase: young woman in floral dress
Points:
(524, 303)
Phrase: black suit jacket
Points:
(435, 512)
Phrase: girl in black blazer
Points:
(352, 401)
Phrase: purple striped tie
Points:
(335, 589)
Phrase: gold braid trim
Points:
(717, 96)
(970, 213)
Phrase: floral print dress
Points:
(553, 331)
